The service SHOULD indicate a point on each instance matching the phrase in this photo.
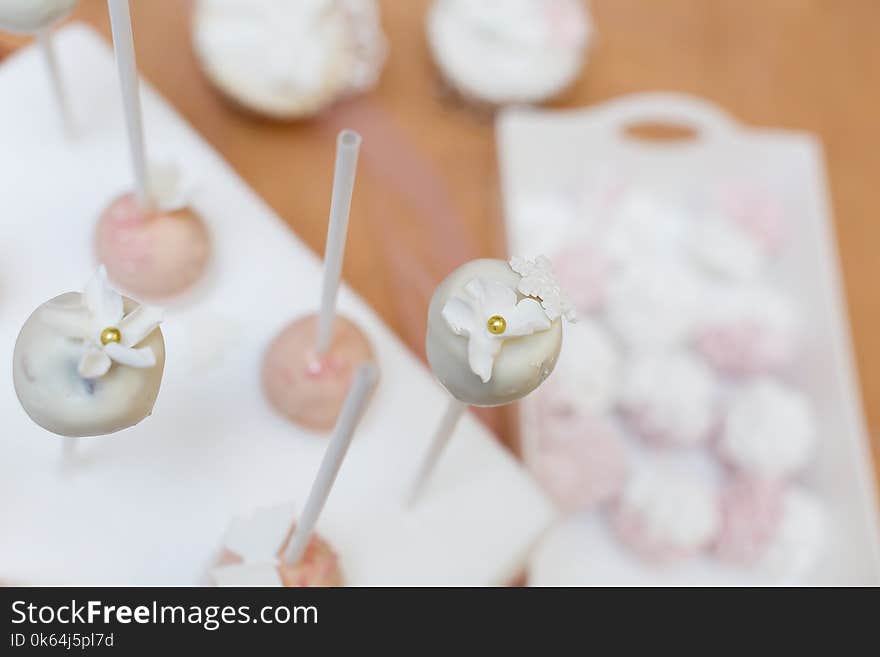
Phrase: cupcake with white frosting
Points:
(289, 59)
(499, 52)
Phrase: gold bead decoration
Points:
(110, 334)
(496, 325)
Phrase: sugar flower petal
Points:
(139, 323)
(525, 318)
(139, 358)
(94, 364)
(492, 297)
(538, 281)
(482, 349)
(103, 301)
(459, 316)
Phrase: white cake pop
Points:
(769, 431)
(490, 340)
(670, 398)
(494, 334)
(289, 60)
(89, 364)
(664, 516)
(724, 249)
(747, 330)
(509, 51)
(29, 16)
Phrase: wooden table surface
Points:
(429, 164)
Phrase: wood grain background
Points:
(805, 64)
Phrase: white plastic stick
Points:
(47, 46)
(352, 410)
(348, 146)
(441, 438)
(123, 44)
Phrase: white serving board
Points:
(542, 152)
(149, 505)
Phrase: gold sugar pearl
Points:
(110, 334)
(496, 325)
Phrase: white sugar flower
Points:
(108, 335)
(256, 539)
(488, 317)
(539, 281)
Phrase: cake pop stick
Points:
(454, 410)
(263, 548)
(123, 46)
(494, 334)
(348, 145)
(37, 17)
(151, 241)
(307, 369)
(361, 389)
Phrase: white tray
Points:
(541, 151)
(149, 505)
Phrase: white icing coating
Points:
(654, 304)
(509, 51)
(587, 376)
(70, 382)
(28, 16)
(520, 365)
(670, 397)
(667, 512)
(289, 58)
(769, 430)
(801, 538)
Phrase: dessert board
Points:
(549, 155)
(150, 505)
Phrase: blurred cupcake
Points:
(499, 52)
(579, 459)
(670, 398)
(289, 59)
(769, 431)
(747, 331)
(665, 516)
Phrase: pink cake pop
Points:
(307, 369)
(747, 331)
(579, 459)
(755, 211)
(151, 242)
(664, 516)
